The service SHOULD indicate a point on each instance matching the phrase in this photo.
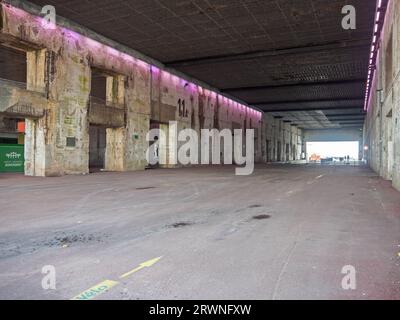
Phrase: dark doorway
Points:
(287, 152)
(155, 155)
(294, 152)
(279, 152)
(97, 148)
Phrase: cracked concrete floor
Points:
(285, 232)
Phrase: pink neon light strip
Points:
(372, 81)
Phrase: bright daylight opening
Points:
(338, 150)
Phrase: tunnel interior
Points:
(273, 127)
(301, 80)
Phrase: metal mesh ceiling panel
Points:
(235, 44)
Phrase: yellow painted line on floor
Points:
(96, 291)
(143, 265)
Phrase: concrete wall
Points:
(59, 67)
(196, 108)
(334, 135)
(382, 127)
(281, 141)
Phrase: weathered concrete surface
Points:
(321, 219)
(382, 126)
(60, 64)
(21, 103)
(277, 135)
(343, 134)
(106, 116)
(174, 99)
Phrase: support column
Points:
(116, 137)
(115, 150)
(128, 145)
(35, 146)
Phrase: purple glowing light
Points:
(15, 11)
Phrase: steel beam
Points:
(267, 103)
(360, 107)
(342, 45)
(295, 84)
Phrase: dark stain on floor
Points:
(64, 239)
(180, 225)
(262, 217)
(145, 188)
(15, 247)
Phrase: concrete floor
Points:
(201, 221)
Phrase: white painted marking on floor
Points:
(283, 270)
(315, 180)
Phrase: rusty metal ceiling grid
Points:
(240, 44)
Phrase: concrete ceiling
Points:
(278, 55)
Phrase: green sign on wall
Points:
(12, 158)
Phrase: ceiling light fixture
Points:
(378, 27)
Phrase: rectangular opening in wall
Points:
(11, 131)
(97, 147)
(13, 66)
(333, 152)
(278, 152)
(98, 85)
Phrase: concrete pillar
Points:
(115, 137)
(34, 149)
(36, 67)
(115, 150)
(36, 130)
(115, 91)
(131, 148)
(166, 151)
(69, 86)
(396, 146)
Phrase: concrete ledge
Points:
(19, 102)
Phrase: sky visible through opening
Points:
(333, 149)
